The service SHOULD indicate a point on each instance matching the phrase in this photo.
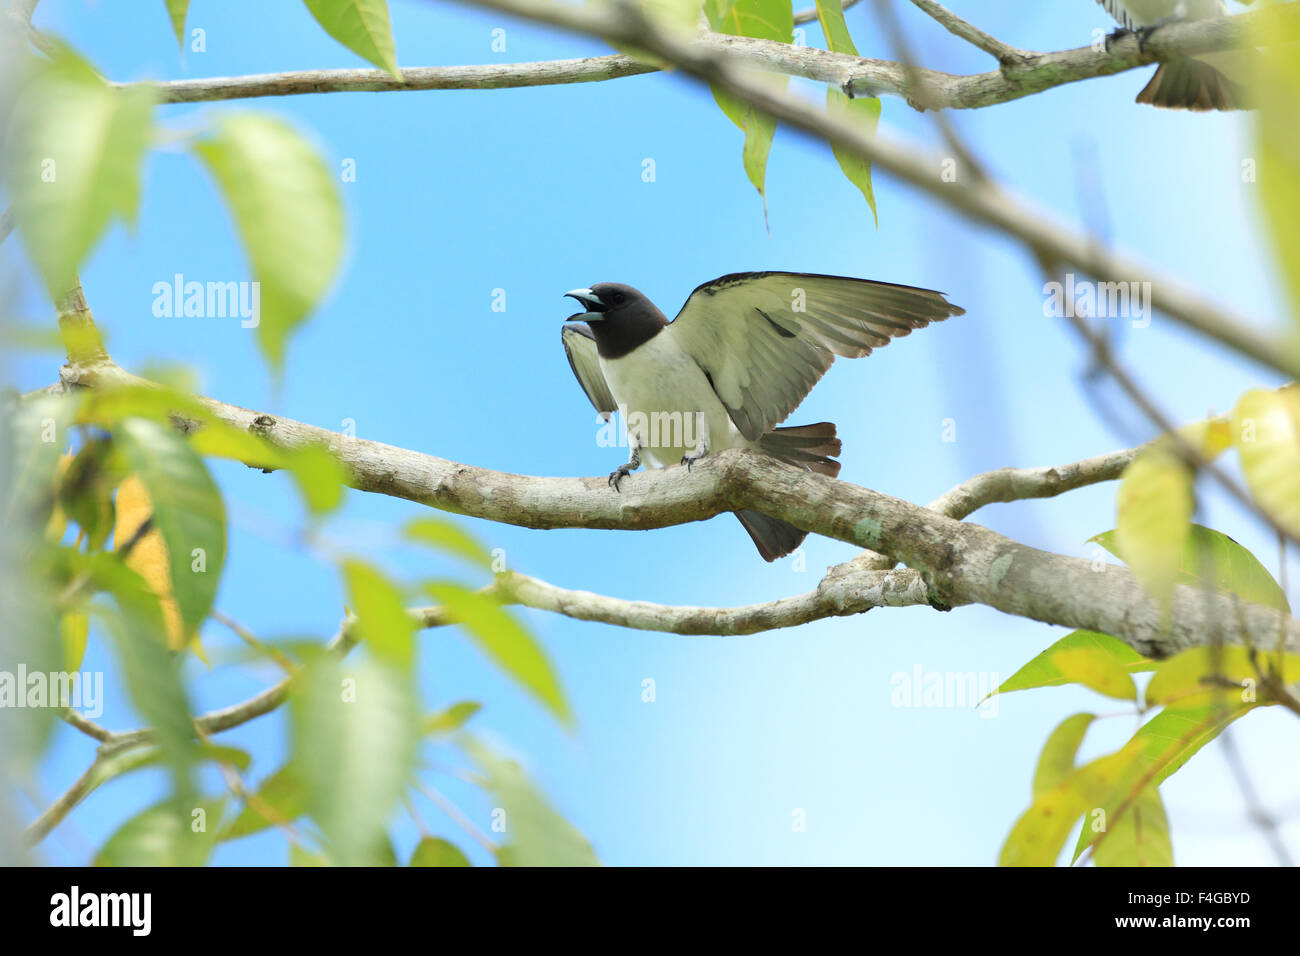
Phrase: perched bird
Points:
(1211, 81)
(741, 355)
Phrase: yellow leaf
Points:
(1266, 431)
(1153, 519)
(1096, 669)
(148, 557)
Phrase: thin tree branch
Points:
(1024, 74)
(1002, 52)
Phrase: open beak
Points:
(590, 301)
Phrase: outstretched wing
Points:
(766, 338)
(1121, 14)
(580, 347)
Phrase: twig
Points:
(1002, 52)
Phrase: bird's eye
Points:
(618, 298)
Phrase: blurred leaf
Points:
(383, 623)
(148, 556)
(453, 718)
(177, 10)
(299, 856)
(36, 432)
(86, 490)
(153, 677)
(280, 799)
(355, 735)
(74, 629)
(450, 537)
(362, 26)
(505, 641)
(72, 161)
(535, 834)
(126, 761)
(187, 510)
(1196, 677)
(320, 478)
(162, 837)
(1231, 568)
(1266, 430)
(1056, 762)
(1276, 91)
(1042, 671)
(1140, 837)
(433, 851)
(287, 206)
(1153, 519)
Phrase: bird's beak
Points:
(592, 302)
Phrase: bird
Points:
(740, 356)
(1209, 81)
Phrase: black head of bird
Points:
(620, 317)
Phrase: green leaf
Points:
(536, 835)
(177, 10)
(320, 478)
(433, 851)
(153, 677)
(383, 623)
(355, 735)
(506, 642)
(761, 19)
(300, 856)
(1056, 762)
(287, 206)
(1140, 837)
(187, 511)
(1267, 435)
(280, 799)
(160, 836)
(72, 161)
(451, 719)
(450, 537)
(1042, 671)
(362, 26)
(126, 761)
(1153, 519)
(865, 110)
(1229, 567)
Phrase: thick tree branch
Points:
(959, 562)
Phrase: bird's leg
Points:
(622, 471)
(702, 442)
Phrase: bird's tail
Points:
(1190, 84)
(812, 447)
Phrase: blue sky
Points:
(538, 191)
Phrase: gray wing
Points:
(580, 347)
(766, 338)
